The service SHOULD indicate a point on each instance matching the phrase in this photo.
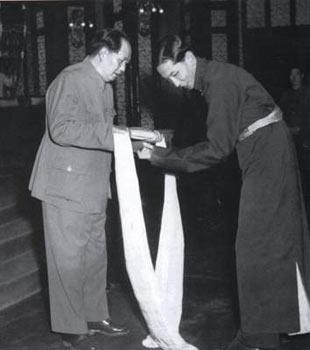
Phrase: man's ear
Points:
(103, 52)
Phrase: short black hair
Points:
(172, 48)
(300, 68)
(109, 38)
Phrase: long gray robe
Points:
(272, 231)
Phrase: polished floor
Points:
(210, 314)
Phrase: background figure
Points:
(272, 242)
(295, 104)
(71, 177)
(7, 83)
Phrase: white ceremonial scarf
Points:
(303, 304)
(160, 291)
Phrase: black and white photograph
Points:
(155, 175)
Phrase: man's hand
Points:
(147, 135)
(119, 129)
(146, 151)
(137, 145)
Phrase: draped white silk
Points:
(304, 305)
(159, 291)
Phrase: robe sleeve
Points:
(68, 122)
(222, 133)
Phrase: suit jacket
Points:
(73, 163)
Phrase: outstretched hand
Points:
(143, 134)
(142, 148)
(137, 145)
(146, 151)
(119, 129)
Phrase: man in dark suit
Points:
(71, 177)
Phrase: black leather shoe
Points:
(70, 341)
(237, 345)
(107, 327)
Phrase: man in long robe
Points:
(272, 243)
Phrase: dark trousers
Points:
(77, 265)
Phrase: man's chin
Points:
(113, 77)
(190, 86)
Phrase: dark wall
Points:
(20, 133)
(56, 38)
(270, 53)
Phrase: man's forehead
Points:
(296, 71)
(125, 50)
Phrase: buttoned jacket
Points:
(73, 163)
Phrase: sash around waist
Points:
(273, 117)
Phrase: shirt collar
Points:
(91, 70)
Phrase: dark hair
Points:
(109, 38)
(171, 48)
(301, 69)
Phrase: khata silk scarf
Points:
(159, 291)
